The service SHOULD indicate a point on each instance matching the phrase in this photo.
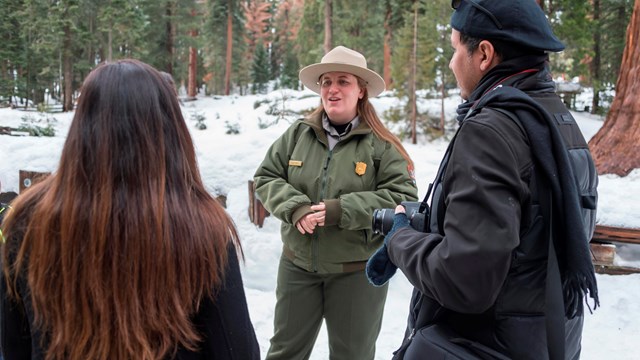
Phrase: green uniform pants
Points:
(351, 307)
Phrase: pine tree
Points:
(426, 52)
(311, 35)
(260, 73)
(11, 54)
(218, 16)
(359, 25)
(284, 60)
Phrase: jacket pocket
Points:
(439, 342)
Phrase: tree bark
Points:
(170, 34)
(67, 68)
(596, 79)
(616, 146)
(412, 81)
(193, 66)
(110, 44)
(328, 28)
(387, 47)
(227, 74)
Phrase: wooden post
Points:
(257, 212)
(28, 178)
(602, 253)
(222, 199)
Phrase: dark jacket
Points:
(481, 270)
(224, 324)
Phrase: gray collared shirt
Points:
(332, 133)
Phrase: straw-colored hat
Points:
(344, 60)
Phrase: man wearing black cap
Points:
(504, 268)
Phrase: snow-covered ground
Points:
(228, 161)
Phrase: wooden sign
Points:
(28, 178)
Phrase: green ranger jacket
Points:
(360, 174)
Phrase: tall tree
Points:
(284, 61)
(388, 34)
(257, 15)
(594, 67)
(227, 69)
(170, 35)
(311, 35)
(328, 25)
(257, 36)
(192, 83)
(412, 77)
(67, 53)
(616, 146)
(426, 51)
(11, 52)
(359, 25)
(224, 41)
(260, 70)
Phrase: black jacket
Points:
(224, 323)
(481, 270)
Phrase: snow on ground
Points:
(228, 161)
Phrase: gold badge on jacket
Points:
(295, 163)
(361, 168)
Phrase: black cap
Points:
(520, 22)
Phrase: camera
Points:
(382, 220)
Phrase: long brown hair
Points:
(119, 246)
(366, 112)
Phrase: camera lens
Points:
(382, 221)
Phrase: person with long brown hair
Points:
(323, 178)
(122, 253)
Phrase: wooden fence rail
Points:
(603, 248)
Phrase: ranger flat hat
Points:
(519, 22)
(344, 60)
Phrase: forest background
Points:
(238, 47)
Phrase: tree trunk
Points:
(110, 44)
(616, 146)
(193, 70)
(328, 28)
(412, 81)
(596, 79)
(193, 66)
(387, 47)
(227, 74)
(170, 34)
(67, 67)
(443, 93)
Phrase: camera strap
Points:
(443, 165)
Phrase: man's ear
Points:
(489, 57)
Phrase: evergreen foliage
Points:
(260, 74)
(47, 44)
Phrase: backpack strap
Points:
(379, 146)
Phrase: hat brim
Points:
(310, 76)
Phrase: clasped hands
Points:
(309, 222)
